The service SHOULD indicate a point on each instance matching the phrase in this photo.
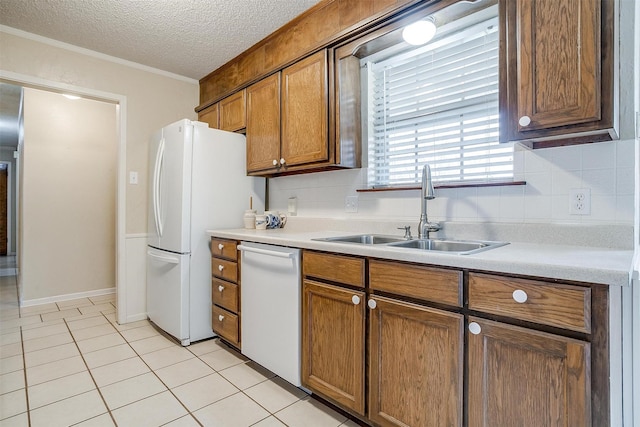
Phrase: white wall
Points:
(68, 195)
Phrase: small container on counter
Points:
(249, 218)
(261, 222)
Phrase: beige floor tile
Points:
(69, 411)
(103, 298)
(131, 390)
(246, 375)
(47, 342)
(11, 364)
(269, 422)
(183, 372)
(39, 323)
(12, 403)
(58, 369)
(167, 356)
(142, 332)
(10, 350)
(62, 314)
(83, 316)
(59, 389)
(310, 412)
(50, 354)
(93, 331)
(148, 345)
(204, 391)
(223, 359)
(11, 338)
(118, 371)
(8, 330)
(21, 420)
(131, 325)
(103, 420)
(21, 322)
(207, 346)
(39, 309)
(112, 318)
(11, 381)
(234, 411)
(152, 411)
(98, 343)
(76, 324)
(275, 394)
(45, 331)
(73, 303)
(108, 355)
(186, 421)
(96, 308)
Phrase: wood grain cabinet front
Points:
(232, 114)
(225, 290)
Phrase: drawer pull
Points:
(474, 328)
(372, 304)
(220, 246)
(221, 317)
(524, 121)
(520, 296)
(220, 267)
(355, 299)
(220, 288)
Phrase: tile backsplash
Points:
(607, 169)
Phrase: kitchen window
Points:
(437, 104)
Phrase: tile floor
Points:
(70, 363)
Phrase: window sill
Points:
(445, 185)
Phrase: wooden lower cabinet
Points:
(415, 365)
(333, 336)
(522, 377)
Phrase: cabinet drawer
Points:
(224, 269)
(226, 324)
(224, 294)
(222, 248)
(415, 281)
(335, 268)
(563, 306)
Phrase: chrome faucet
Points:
(427, 193)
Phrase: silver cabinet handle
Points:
(520, 296)
(355, 299)
(474, 328)
(524, 121)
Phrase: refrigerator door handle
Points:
(167, 259)
(157, 175)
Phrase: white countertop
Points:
(587, 264)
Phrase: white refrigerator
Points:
(197, 181)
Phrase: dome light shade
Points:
(419, 32)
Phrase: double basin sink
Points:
(460, 247)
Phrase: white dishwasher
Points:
(270, 308)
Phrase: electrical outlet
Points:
(580, 201)
(351, 204)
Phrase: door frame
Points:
(120, 102)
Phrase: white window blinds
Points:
(439, 105)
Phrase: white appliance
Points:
(270, 302)
(197, 181)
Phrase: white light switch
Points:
(133, 177)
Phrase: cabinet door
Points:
(415, 365)
(555, 59)
(521, 377)
(333, 343)
(233, 112)
(263, 124)
(210, 116)
(305, 111)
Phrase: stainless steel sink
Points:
(463, 247)
(365, 239)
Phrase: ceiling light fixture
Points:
(419, 32)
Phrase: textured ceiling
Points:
(186, 37)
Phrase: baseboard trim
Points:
(66, 297)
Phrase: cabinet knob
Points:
(372, 304)
(524, 121)
(282, 162)
(220, 267)
(355, 299)
(220, 288)
(220, 317)
(220, 246)
(275, 162)
(474, 328)
(520, 296)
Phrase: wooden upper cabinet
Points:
(559, 74)
(263, 124)
(305, 116)
(521, 377)
(210, 116)
(233, 112)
